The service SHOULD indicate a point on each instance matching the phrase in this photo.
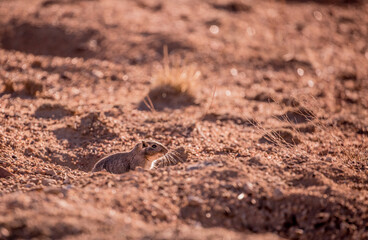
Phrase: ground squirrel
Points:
(142, 155)
(170, 158)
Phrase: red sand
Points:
(74, 74)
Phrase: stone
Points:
(4, 173)
(50, 172)
(47, 182)
(194, 201)
(278, 194)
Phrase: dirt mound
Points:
(50, 40)
(215, 117)
(166, 97)
(307, 128)
(92, 127)
(262, 96)
(54, 111)
(94, 124)
(290, 101)
(280, 137)
(299, 115)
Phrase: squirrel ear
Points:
(144, 144)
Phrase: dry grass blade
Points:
(148, 102)
(210, 105)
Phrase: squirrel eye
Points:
(154, 146)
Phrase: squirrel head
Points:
(152, 149)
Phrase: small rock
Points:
(56, 190)
(194, 201)
(113, 77)
(28, 151)
(4, 173)
(262, 97)
(34, 180)
(98, 73)
(299, 231)
(322, 217)
(50, 172)
(290, 102)
(193, 167)
(256, 160)
(53, 190)
(47, 182)
(200, 165)
(65, 76)
(39, 171)
(139, 169)
(159, 212)
(278, 194)
(29, 185)
(36, 64)
(4, 233)
(67, 180)
(248, 187)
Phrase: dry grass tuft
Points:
(173, 86)
(180, 77)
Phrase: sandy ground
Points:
(74, 75)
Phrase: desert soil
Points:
(276, 132)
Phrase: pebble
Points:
(200, 166)
(34, 180)
(278, 194)
(194, 201)
(47, 182)
(50, 172)
(98, 73)
(29, 185)
(4, 173)
(56, 190)
(4, 232)
(248, 187)
(193, 167)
